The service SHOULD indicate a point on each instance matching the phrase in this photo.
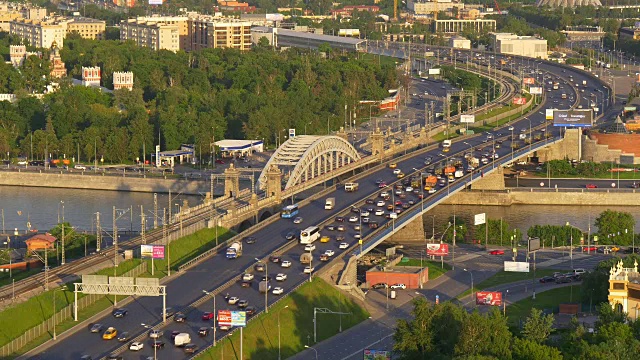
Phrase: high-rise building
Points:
(38, 33)
(88, 28)
(151, 34)
(213, 32)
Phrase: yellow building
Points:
(178, 22)
(87, 28)
(156, 36)
(210, 32)
(37, 33)
(624, 290)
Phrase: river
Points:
(42, 207)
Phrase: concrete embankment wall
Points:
(97, 182)
(546, 197)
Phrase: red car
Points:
(589, 248)
(496, 252)
(207, 316)
(592, 186)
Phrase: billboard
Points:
(519, 101)
(534, 244)
(528, 81)
(152, 251)
(549, 114)
(232, 318)
(438, 249)
(516, 266)
(292, 133)
(493, 298)
(467, 119)
(535, 90)
(370, 354)
(479, 219)
(155, 2)
(434, 71)
(570, 118)
(349, 32)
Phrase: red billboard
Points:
(528, 81)
(492, 298)
(438, 249)
(224, 317)
(519, 100)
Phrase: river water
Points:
(42, 207)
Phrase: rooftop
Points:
(310, 36)
(397, 269)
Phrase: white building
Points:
(123, 80)
(530, 46)
(91, 76)
(459, 42)
(38, 33)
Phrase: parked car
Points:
(589, 248)
(547, 279)
(379, 286)
(563, 279)
(398, 286)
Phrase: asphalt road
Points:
(602, 184)
(216, 271)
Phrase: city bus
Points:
(309, 235)
(289, 211)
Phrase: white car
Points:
(432, 190)
(384, 194)
(309, 247)
(409, 189)
(80, 167)
(328, 253)
(136, 346)
(343, 246)
(396, 171)
(398, 286)
(155, 334)
(357, 236)
(297, 220)
(285, 264)
(380, 203)
(364, 213)
(277, 291)
(510, 128)
(379, 212)
(281, 277)
(247, 277)
(308, 269)
(233, 300)
(353, 219)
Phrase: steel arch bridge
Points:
(305, 157)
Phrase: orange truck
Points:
(430, 181)
(449, 170)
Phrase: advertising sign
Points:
(292, 133)
(467, 119)
(438, 249)
(370, 354)
(519, 101)
(479, 219)
(224, 317)
(492, 298)
(238, 318)
(516, 266)
(528, 81)
(535, 90)
(155, 2)
(152, 251)
(534, 244)
(549, 114)
(570, 118)
(434, 71)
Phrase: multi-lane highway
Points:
(217, 270)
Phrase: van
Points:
(182, 339)
(446, 144)
(579, 271)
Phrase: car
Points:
(285, 264)
(260, 267)
(250, 240)
(612, 249)
(158, 344)
(496, 252)
(329, 252)
(324, 257)
(247, 277)
(365, 220)
(110, 333)
(325, 239)
(136, 346)
(357, 236)
(409, 189)
(364, 213)
(353, 219)
(341, 228)
(547, 279)
(308, 269)
(190, 348)
(379, 212)
(96, 328)
(590, 248)
(203, 331)
(124, 336)
(119, 313)
(309, 247)
(579, 271)
(339, 218)
(155, 334)
(224, 327)
(169, 312)
(114, 357)
(382, 185)
(393, 165)
(290, 236)
(373, 225)
(277, 291)
(591, 186)
(380, 203)
(369, 201)
(246, 284)
(78, 167)
(243, 303)
(330, 227)
(179, 317)
(340, 238)
(207, 316)
(251, 310)
(174, 333)
(511, 128)
(384, 194)
(281, 277)
(397, 171)
(297, 220)
(274, 259)
(355, 209)
(398, 286)
(379, 286)
(233, 300)
(343, 245)
(563, 279)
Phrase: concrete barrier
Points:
(544, 196)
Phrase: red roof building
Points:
(347, 11)
(40, 242)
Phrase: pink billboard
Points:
(438, 249)
(493, 298)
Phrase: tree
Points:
(527, 349)
(538, 327)
(414, 338)
(615, 227)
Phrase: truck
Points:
(584, 83)
(264, 286)
(306, 258)
(448, 170)
(330, 203)
(474, 162)
(234, 250)
(182, 339)
(350, 187)
(429, 182)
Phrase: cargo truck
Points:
(350, 187)
(235, 250)
(429, 182)
(448, 170)
(182, 339)
(306, 258)
(264, 286)
(329, 203)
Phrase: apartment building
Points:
(88, 28)
(40, 34)
(507, 43)
(213, 32)
(151, 34)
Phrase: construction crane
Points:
(497, 7)
(395, 10)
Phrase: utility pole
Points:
(155, 210)
(63, 258)
(166, 241)
(142, 226)
(115, 239)
(98, 232)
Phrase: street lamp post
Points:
(316, 351)
(155, 349)
(279, 352)
(215, 315)
(55, 318)
(266, 280)
(470, 273)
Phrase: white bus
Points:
(309, 235)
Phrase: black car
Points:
(378, 182)
(250, 310)
(119, 313)
(115, 357)
(259, 267)
(370, 201)
(562, 279)
(266, 278)
(158, 344)
(290, 236)
(379, 286)
(340, 238)
(180, 317)
(250, 239)
(246, 284)
(190, 348)
(547, 279)
(203, 331)
(355, 209)
(340, 219)
(124, 336)
(174, 334)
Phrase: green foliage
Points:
(594, 288)
(554, 235)
(498, 231)
(538, 327)
(460, 230)
(527, 349)
(615, 227)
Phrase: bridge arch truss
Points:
(305, 157)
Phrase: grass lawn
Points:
(435, 267)
(296, 324)
(384, 60)
(545, 300)
(17, 275)
(506, 277)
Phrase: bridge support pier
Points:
(493, 181)
(377, 143)
(274, 182)
(412, 232)
(231, 182)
